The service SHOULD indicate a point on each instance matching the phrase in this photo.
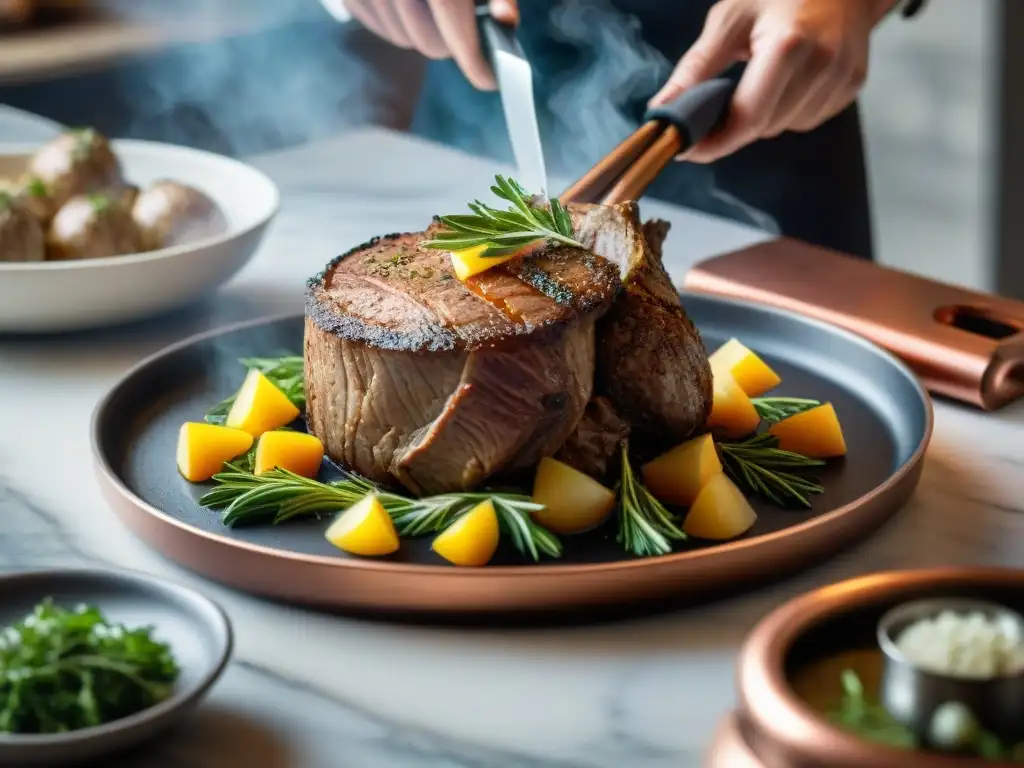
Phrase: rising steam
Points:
(617, 69)
(285, 78)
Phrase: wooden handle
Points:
(628, 170)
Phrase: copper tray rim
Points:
(168, 535)
(774, 708)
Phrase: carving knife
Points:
(515, 85)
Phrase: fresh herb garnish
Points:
(775, 409)
(761, 468)
(869, 720)
(36, 187)
(286, 373)
(279, 495)
(646, 527)
(505, 232)
(99, 202)
(85, 138)
(61, 670)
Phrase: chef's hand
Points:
(807, 60)
(439, 29)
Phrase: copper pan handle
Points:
(627, 171)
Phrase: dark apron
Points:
(596, 63)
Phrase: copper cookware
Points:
(775, 727)
(912, 694)
(963, 344)
(889, 425)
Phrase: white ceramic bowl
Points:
(59, 296)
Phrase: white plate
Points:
(79, 295)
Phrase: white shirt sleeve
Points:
(337, 9)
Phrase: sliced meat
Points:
(651, 362)
(656, 232)
(510, 409)
(415, 376)
(596, 439)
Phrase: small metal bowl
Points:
(912, 694)
(778, 726)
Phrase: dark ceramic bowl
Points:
(197, 630)
(789, 671)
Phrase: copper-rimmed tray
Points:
(795, 654)
(886, 415)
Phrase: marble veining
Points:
(308, 690)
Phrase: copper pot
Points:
(776, 727)
(15, 13)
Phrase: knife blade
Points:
(515, 85)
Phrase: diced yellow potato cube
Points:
(470, 261)
(295, 451)
(573, 502)
(720, 511)
(260, 406)
(365, 528)
(471, 540)
(203, 449)
(676, 477)
(815, 433)
(752, 373)
(732, 412)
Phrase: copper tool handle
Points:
(963, 344)
(627, 171)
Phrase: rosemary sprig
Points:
(36, 187)
(508, 231)
(646, 527)
(286, 373)
(775, 409)
(279, 495)
(760, 467)
(867, 718)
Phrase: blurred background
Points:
(249, 76)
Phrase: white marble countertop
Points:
(314, 691)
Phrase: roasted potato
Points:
(365, 529)
(91, 227)
(720, 512)
(815, 433)
(169, 213)
(127, 196)
(76, 163)
(35, 195)
(21, 235)
(203, 448)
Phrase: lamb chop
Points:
(594, 443)
(415, 376)
(651, 362)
